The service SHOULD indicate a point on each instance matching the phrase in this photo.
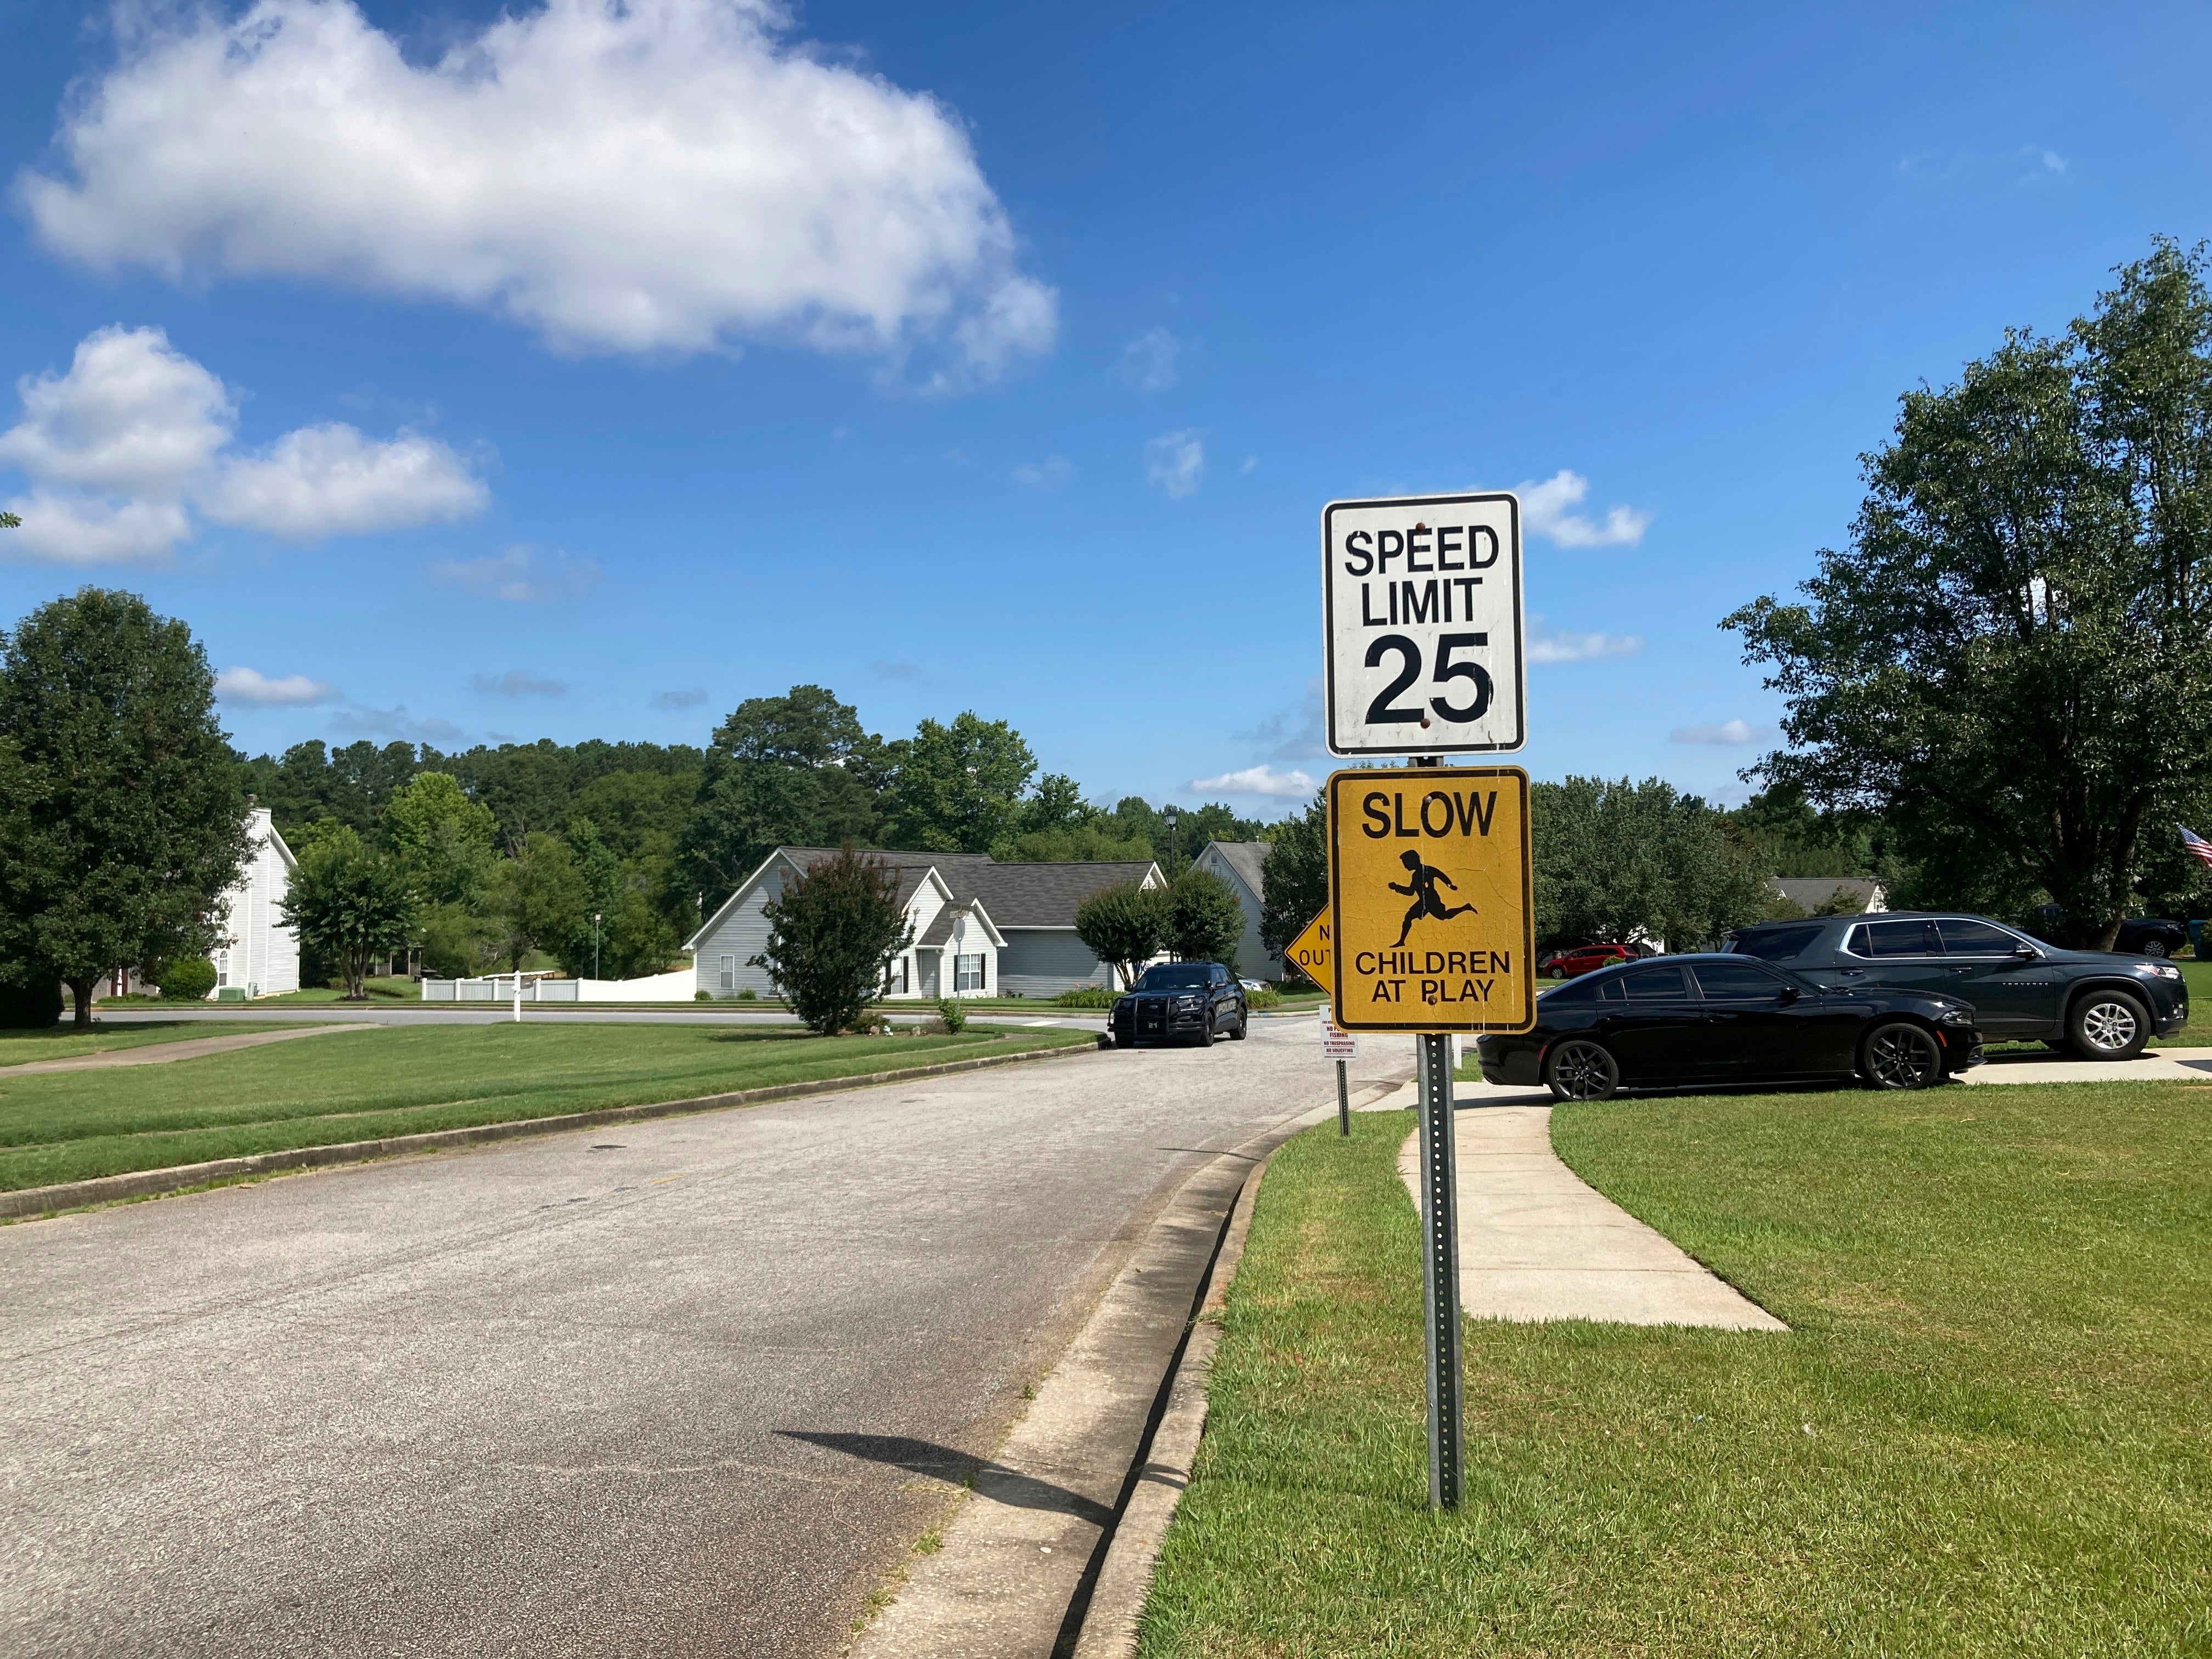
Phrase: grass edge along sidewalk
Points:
(31, 1202)
(1986, 1432)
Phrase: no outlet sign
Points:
(1421, 607)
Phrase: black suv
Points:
(1180, 1001)
(2102, 1005)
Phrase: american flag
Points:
(2194, 845)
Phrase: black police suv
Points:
(2100, 1005)
(1715, 1018)
(1181, 1002)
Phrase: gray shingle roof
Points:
(1015, 895)
(1246, 858)
(1808, 892)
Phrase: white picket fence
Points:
(677, 987)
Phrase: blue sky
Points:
(586, 377)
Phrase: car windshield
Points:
(1175, 976)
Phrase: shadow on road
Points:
(994, 1481)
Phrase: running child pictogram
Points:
(1421, 888)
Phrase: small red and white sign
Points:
(1336, 1042)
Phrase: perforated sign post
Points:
(1421, 610)
(1429, 888)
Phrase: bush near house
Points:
(186, 979)
(832, 936)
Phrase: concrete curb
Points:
(1023, 1562)
(30, 1201)
(1125, 1574)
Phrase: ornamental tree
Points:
(2012, 658)
(833, 935)
(1294, 879)
(349, 903)
(1124, 925)
(1205, 921)
(122, 817)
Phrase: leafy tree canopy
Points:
(1124, 925)
(2012, 659)
(958, 788)
(122, 816)
(1294, 879)
(1614, 859)
(537, 897)
(1205, 921)
(446, 840)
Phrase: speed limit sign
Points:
(1421, 607)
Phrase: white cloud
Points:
(1545, 512)
(285, 691)
(1726, 732)
(1257, 780)
(1293, 733)
(329, 480)
(1175, 462)
(1050, 473)
(517, 683)
(521, 576)
(136, 436)
(79, 531)
(133, 416)
(1148, 363)
(663, 175)
(1553, 645)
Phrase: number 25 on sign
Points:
(1429, 884)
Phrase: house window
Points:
(894, 980)
(968, 974)
(729, 973)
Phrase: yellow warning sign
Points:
(1308, 951)
(1430, 890)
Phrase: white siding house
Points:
(980, 928)
(1239, 863)
(256, 952)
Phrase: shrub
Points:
(31, 1007)
(748, 994)
(951, 1013)
(1263, 999)
(832, 935)
(187, 981)
(1087, 996)
(703, 996)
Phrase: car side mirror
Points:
(1790, 995)
(2026, 952)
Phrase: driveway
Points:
(687, 1386)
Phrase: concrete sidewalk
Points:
(1536, 1242)
(160, 1054)
(2042, 1066)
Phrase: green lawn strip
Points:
(64, 1042)
(387, 1081)
(1987, 1432)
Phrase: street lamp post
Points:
(1170, 815)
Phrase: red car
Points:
(1587, 959)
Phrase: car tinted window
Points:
(1575, 992)
(1974, 939)
(1655, 984)
(1172, 977)
(1736, 981)
(1776, 944)
(1894, 939)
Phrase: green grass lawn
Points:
(1989, 1430)
(63, 1041)
(395, 1080)
(398, 989)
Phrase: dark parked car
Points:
(2102, 1005)
(1181, 1002)
(1714, 1018)
(2139, 936)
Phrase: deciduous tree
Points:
(1294, 879)
(833, 934)
(1205, 921)
(122, 815)
(957, 788)
(537, 896)
(350, 902)
(2012, 659)
(1617, 860)
(1125, 927)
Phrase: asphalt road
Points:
(686, 1386)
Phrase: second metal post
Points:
(1440, 1271)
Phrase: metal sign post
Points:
(1343, 1101)
(1440, 1273)
(1340, 1046)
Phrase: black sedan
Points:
(1716, 1019)
(1181, 1002)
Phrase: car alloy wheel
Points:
(1584, 1070)
(2154, 947)
(1902, 1056)
(2109, 1025)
